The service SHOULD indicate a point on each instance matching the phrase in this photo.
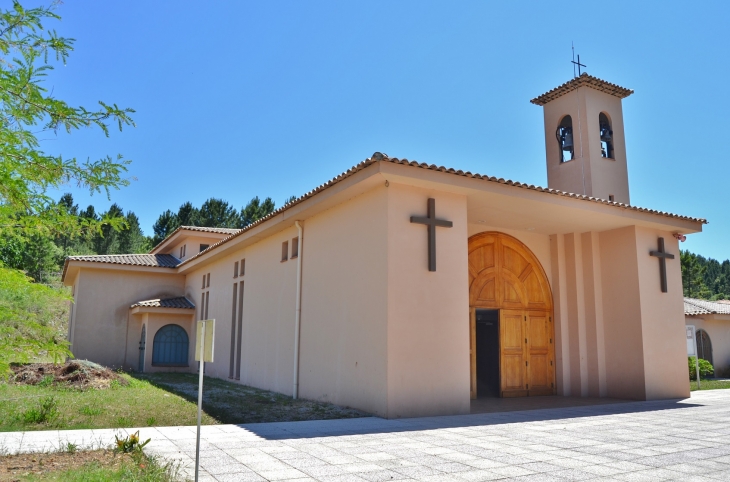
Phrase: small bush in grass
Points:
(131, 445)
(91, 411)
(46, 411)
(706, 368)
(123, 422)
(151, 421)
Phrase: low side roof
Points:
(694, 307)
(584, 80)
(147, 260)
(178, 302)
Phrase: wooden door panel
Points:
(540, 370)
(512, 373)
(511, 348)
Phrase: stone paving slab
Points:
(684, 440)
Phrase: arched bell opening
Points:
(564, 135)
(606, 133)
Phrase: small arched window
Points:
(704, 346)
(606, 135)
(170, 347)
(564, 135)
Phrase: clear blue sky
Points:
(269, 98)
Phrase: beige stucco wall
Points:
(428, 312)
(101, 314)
(153, 322)
(662, 317)
(268, 312)
(193, 245)
(718, 329)
(344, 356)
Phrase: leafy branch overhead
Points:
(27, 110)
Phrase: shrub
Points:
(45, 412)
(706, 368)
(130, 444)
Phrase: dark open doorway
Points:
(487, 356)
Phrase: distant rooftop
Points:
(694, 306)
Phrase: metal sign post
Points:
(203, 353)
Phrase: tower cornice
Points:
(584, 80)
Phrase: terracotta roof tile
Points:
(179, 302)
(694, 306)
(152, 260)
(584, 80)
(378, 157)
(209, 230)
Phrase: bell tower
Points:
(584, 138)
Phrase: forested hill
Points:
(705, 278)
(41, 255)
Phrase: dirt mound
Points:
(79, 374)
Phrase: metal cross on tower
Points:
(431, 221)
(663, 257)
(576, 63)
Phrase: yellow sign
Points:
(205, 336)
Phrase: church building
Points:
(405, 289)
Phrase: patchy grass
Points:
(29, 407)
(710, 385)
(93, 466)
(235, 403)
(163, 399)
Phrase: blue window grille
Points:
(170, 347)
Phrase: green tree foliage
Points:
(31, 320)
(213, 213)
(29, 110)
(255, 210)
(705, 278)
(217, 213)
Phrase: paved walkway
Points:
(686, 440)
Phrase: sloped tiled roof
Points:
(200, 229)
(694, 306)
(152, 260)
(584, 80)
(179, 302)
(378, 157)
(210, 230)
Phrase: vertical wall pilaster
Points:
(560, 302)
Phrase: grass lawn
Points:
(163, 399)
(710, 384)
(93, 466)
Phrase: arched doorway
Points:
(704, 346)
(509, 294)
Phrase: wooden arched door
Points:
(505, 275)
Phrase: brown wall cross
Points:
(431, 222)
(663, 257)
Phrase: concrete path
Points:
(686, 440)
